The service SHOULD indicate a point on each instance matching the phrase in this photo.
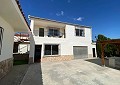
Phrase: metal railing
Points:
(56, 34)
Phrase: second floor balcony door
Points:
(53, 33)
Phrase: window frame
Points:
(79, 32)
(40, 35)
(1, 38)
(51, 51)
(53, 33)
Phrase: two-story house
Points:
(54, 40)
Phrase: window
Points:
(51, 50)
(41, 32)
(1, 37)
(80, 32)
(53, 32)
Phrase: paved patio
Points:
(74, 72)
(33, 75)
(78, 72)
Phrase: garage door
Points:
(80, 52)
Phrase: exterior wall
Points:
(66, 44)
(8, 40)
(77, 40)
(32, 43)
(6, 57)
(5, 66)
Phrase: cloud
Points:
(61, 13)
(78, 19)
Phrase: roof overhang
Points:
(10, 10)
(44, 21)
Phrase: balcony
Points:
(55, 33)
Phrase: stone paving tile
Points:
(15, 76)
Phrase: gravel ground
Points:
(15, 76)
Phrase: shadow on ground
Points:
(98, 61)
(33, 75)
(24, 75)
(15, 76)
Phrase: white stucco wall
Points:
(8, 39)
(66, 44)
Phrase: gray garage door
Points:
(80, 52)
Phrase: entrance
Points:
(37, 55)
(93, 52)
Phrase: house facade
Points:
(54, 40)
(11, 21)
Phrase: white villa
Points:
(11, 20)
(54, 40)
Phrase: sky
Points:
(102, 15)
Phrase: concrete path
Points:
(33, 75)
(78, 72)
(15, 76)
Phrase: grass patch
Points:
(20, 62)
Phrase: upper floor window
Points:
(41, 32)
(53, 32)
(1, 37)
(80, 32)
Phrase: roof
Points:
(33, 17)
(18, 3)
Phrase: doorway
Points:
(93, 52)
(37, 56)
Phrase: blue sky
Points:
(102, 15)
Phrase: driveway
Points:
(78, 72)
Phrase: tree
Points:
(109, 50)
(100, 37)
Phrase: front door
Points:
(37, 55)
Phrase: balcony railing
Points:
(57, 34)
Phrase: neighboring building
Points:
(54, 40)
(11, 20)
(21, 43)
